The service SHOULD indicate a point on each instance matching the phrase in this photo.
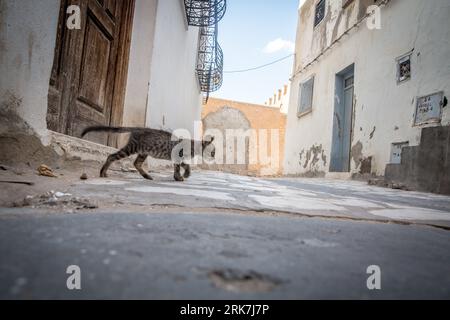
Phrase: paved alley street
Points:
(223, 236)
(237, 151)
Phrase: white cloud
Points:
(279, 45)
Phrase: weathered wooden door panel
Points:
(111, 7)
(92, 98)
(94, 67)
(84, 90)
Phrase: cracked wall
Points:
(383, 110)
(27, 43)
(313, 160)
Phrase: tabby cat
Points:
(157, 144)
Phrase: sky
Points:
(253, 33)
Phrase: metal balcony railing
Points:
(204, 13)
(210, 61)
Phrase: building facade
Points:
(368, 77)
(263, 128)
(280, 99)
(69, 64)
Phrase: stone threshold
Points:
(69, 147)
(75, 148)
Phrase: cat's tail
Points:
(107, 129)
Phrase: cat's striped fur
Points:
(145, 142)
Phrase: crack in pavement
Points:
(319, 216)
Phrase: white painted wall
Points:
(379, 102)
(174, 99)
(282, 102)
(162, 88)
(27, 44)
(144, 21)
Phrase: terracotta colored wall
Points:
(260, 117)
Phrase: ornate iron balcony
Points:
(210, 60)
(204, 13)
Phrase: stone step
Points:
(74, 148)
(425, 167)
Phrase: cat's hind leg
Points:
(138, 164)
(177, 174)
(122, 154)
(187, 170)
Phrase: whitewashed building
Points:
(280, 99)
(68, 64)
(368, 77)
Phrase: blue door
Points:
(343, 122)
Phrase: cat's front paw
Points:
(179, 178)
(148, 177)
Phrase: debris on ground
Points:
(240, 281)
(46, 171)
(376, 182)
(84, 176)
(386, 184)
(58, 200)
(398, 186)
(62, 194)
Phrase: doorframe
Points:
(123, 57)
(341, 77)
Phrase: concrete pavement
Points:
(221, 236)
(218, 256)
(313, 197)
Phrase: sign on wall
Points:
(396, 152)
(429, 109)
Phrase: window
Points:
(349, 82)
(306, 97)
(320, 12)
(404, 68)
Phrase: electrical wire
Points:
(262, 66)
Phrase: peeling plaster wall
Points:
(27, 44)
(383, 110)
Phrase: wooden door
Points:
(88, 80)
